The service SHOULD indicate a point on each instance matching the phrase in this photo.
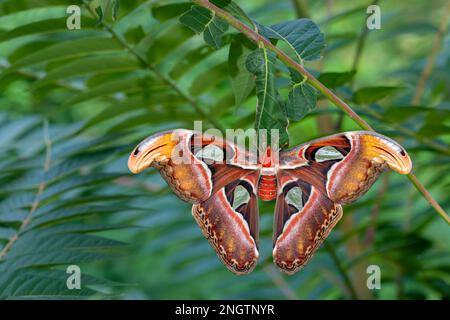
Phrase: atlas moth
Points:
(309, 183)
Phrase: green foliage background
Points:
(73, 104)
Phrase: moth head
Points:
(155, 150)
(389, 151)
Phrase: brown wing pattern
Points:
(174, 152)
(352, 166)
(231, 228)
(313, 181)
(299, 229)
(211, 184)
(329, 172)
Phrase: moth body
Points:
(267, 187)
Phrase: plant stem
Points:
(258, 39)
(437, 42)
(166, 78)
(36, 201)
(430, 199)
(301, 8)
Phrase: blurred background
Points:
(74, 103)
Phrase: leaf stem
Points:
(430, 199)
(257, 38)
(40, 191)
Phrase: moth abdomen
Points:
(267, 187)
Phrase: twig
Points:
(258, 39)
(437, 42)
(36, 201)
(166, 78)
(301, 8)
(430, 199)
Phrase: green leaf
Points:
(53, 258)
(189, 59)
(28, 49)
(6, 233)
(68, 49)
(55, 242)
(434, 130)
(108, 88)
(166, 42)
(372, 94)
(270, 111)
(89, 65)
(115, 10)
(169, 11)
(242, 79)
(16, 201)
(303, 36)
(43, 284)
(76, 182)
(208, 79)
(333, 80)
(51, 25)
(107, 10)
(232, 8)
(99, 12)
(200, 20)
(402, 113)
(71, 213)
(302, 98)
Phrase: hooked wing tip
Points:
(395, 156)
(383, 149)
(156, 148)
